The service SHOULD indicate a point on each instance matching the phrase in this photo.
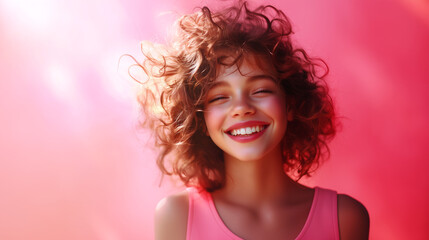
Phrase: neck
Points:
(258, 181)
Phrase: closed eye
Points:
(218, 98)
(262, 91)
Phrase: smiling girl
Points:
(240, 115)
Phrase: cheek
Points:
(276, 107)
(213, 119)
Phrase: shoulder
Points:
(171, 217)
(353, 218)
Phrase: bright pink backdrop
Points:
(74, 166)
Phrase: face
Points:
(245, 112)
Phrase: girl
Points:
(240, 115)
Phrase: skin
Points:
(258, 201)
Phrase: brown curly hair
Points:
(180, 75)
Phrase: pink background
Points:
(75, 166)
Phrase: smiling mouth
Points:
(247, 131)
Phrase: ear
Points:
(289, 109)
(289, 114)
(204, 129)
(203, 123)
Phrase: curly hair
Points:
(179, 76)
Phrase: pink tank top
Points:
(205, 223)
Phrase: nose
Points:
(242, 107)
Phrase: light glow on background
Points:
(75, 165)
(32, 15)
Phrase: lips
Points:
(247, 131)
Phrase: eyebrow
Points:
(249, 79)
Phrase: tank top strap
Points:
(204, 221)
(322, 221)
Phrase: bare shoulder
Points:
(353, 218)
(171, 217)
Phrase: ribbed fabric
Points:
(205, 223)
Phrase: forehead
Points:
(246, 65)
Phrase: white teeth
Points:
(247, 130)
